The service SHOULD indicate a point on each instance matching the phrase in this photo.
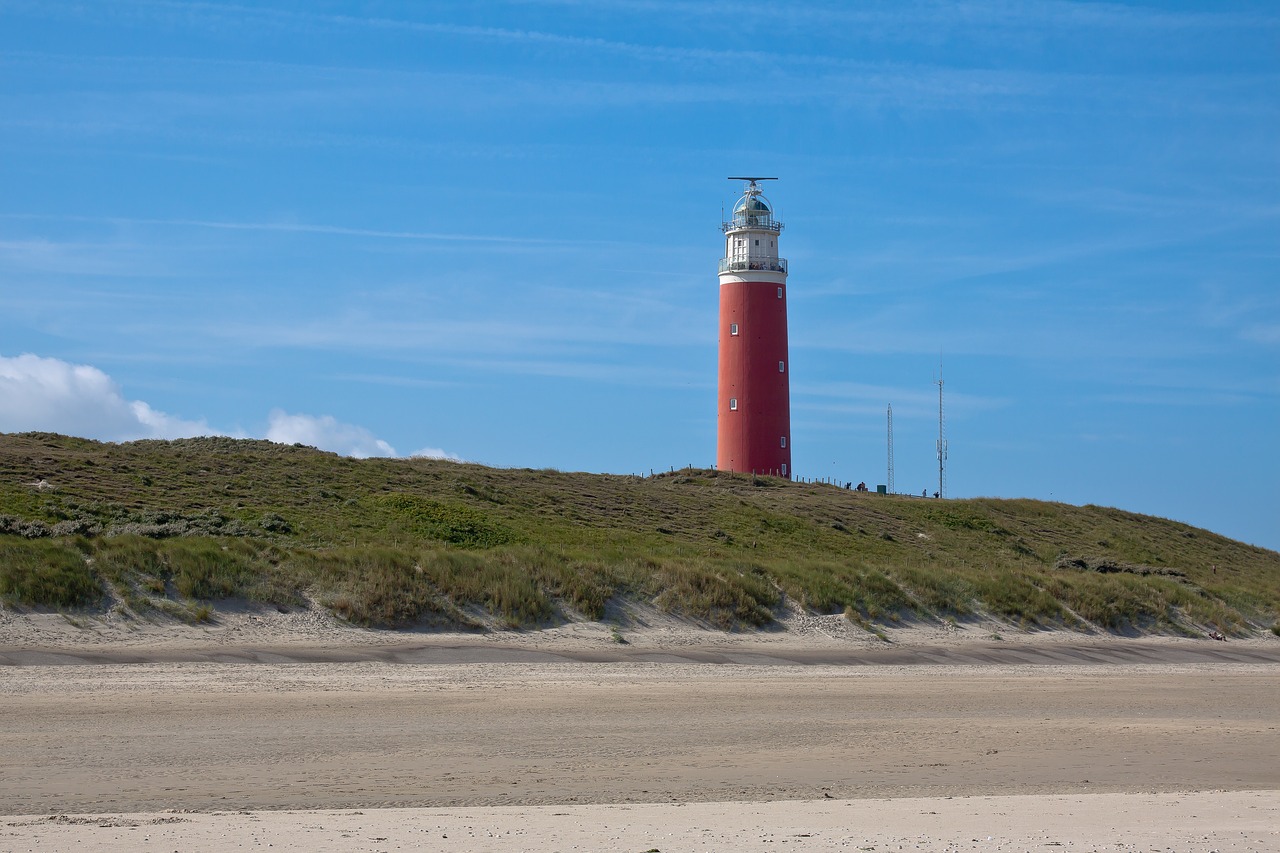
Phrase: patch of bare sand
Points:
(1225, 822)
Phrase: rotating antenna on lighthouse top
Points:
(751, 192)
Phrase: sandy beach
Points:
(249, 734)
(1228, 822)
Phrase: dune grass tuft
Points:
(45, 573)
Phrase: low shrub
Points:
(446, 521)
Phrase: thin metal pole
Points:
(942, 445)
(889, 485)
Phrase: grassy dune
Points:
(168, 528)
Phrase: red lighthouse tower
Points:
(754, 404)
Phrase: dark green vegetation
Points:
(174, 526)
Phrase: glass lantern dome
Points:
(753, 212)
(751, 209)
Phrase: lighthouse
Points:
(754, 397)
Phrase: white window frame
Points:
(784, 469)
(733, 329)
(784, 441)
(733, 404)
(779, 292)
(782, 367)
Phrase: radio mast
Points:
(889, 478)
(942, 442)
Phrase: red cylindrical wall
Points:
(754, 406)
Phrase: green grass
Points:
(371, 586)
(170, 526)
(46, 573)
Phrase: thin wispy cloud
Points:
(1212, 201)
(1199, 398)
(44, 246)
(291, 105)
(287, 105)
(1262, 333)
(395, 381)
(909, 21)
(1183, 381)
(615, 372)
(78, 257)
(910, 18)
(908, 401)
(565, 323)
(915, 264)
(344, 231)
(245, 17)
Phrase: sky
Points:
(488, 231)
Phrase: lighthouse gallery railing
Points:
(751, 264)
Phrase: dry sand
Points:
(289, 731)
(1228, 822)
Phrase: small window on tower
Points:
(757, 242)
(770, 244)
(784, 441)
(782, 367)
(733, 328)
(733, 404)
(784, 469)
(779, 292)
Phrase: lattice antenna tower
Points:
(889, 478)
(942, 441)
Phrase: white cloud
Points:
(47, 394)
(50, 395)
(434, 453)
(326, 433)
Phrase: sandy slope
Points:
(249, 634)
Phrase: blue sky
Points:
(490, 231)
